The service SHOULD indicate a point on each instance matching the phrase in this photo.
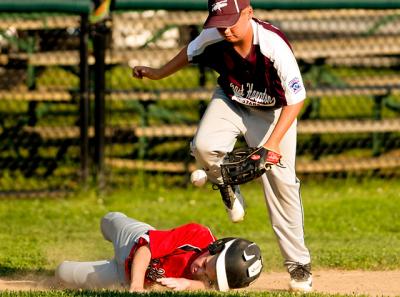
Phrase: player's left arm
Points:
(288, 70)
(140, 262)
(288, 114)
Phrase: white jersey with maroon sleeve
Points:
(268, 77)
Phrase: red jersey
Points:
(172, 251)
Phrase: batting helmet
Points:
(239, 262)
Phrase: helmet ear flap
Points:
(218, 245)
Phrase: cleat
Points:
(300, 277)
(233, 201)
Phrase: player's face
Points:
(203, 268)
(238, 31)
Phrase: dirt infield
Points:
(374, 283)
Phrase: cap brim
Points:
(221, 21)
(222, 278)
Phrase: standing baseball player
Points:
(259, 95)
(187, 257)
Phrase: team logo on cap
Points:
(219, 5)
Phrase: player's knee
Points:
(112, 215)
(203, 151)
(106, 223)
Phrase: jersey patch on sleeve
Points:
(295, 85)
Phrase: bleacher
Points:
(327, 43)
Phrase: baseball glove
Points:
(245, 164)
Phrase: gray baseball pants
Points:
(222, 123)
(123, 232)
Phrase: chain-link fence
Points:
(350, 60)
(40, 99)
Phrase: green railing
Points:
(71, 6)
(260, 4)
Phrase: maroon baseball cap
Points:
(224, 13)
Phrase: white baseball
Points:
(198, 177)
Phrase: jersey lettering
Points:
(154, 271)
(253, 97)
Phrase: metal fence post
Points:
(84, 98)
(99, 45)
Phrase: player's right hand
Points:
(143, 71)
(176, 284)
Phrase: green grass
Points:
(349, 224)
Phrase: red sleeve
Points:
(191, 236)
